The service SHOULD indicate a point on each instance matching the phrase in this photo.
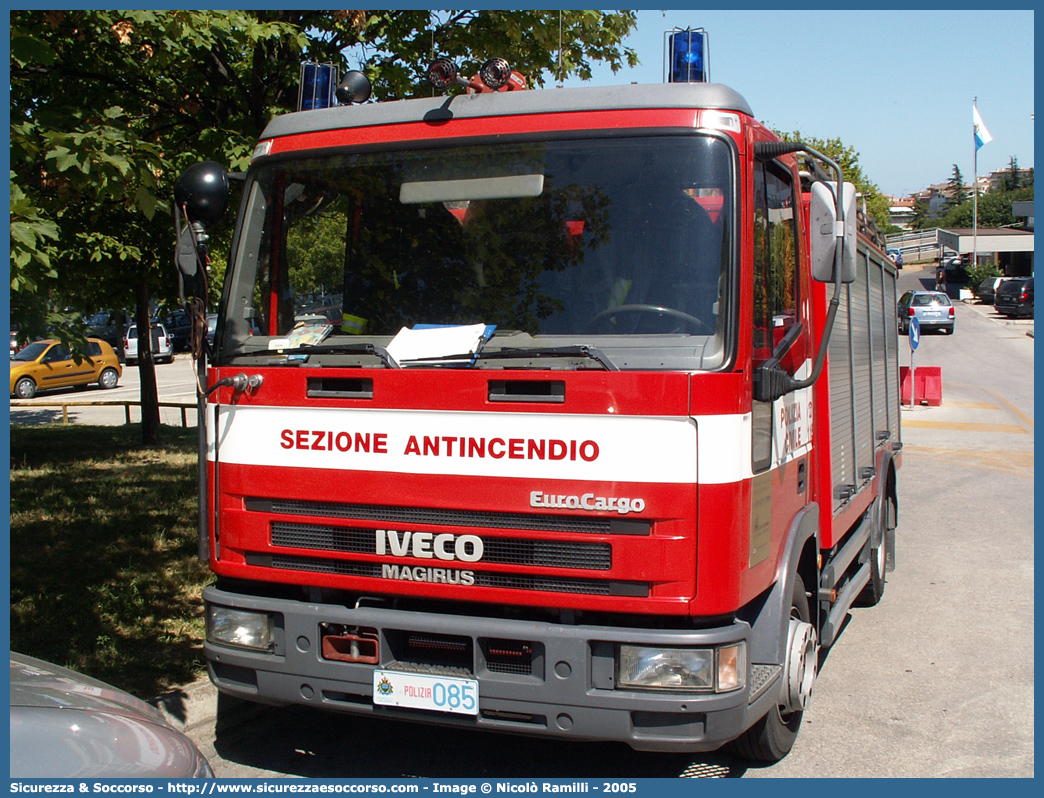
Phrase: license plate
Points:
(425, 691)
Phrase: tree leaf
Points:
(29, 50)
(146, 202)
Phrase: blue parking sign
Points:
(915, 333)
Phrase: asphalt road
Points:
(936, 681)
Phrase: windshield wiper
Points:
(553, 351)
(345, 349)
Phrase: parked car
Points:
(49, 364)
(988, 289)
(162, 351)
(1015, 297)
(932, 309)
(67, 725)
(896, 255)
(14, 340)
(109, 325)
(179, 325)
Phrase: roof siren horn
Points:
(355, 88)
(687, 55)
(494, 75)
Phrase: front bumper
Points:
(567, 692)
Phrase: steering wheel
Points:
(684, 318)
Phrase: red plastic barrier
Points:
(929, 385)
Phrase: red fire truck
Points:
(564, 412)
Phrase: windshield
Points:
(622, 245)
(32, 351)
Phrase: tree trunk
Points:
(150, 419)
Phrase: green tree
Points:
(877, 205)
(1011, 180)
(108, 107)
(994, 210)
(922, 217)
(958, 192)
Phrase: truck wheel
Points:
(874, 590)
(772, 737)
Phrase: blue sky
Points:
(897, 86)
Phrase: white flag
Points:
(982, 135)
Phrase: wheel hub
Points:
(801, 666)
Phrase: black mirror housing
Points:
(202, 191)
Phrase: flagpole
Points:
(975, 191)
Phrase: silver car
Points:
(162, 346)
(67, 725)
(932, 309)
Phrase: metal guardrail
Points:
(916, 246)
(125, 404)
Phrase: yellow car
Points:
(48, 364)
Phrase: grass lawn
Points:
(104, 573)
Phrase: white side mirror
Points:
(823, 235)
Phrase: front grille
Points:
(588, 587)
(536, 522)
(509, 656)
(325, 538)
(504, 551)
(374, 570)
(340, 567)
(422, 648)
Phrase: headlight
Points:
(666, 668)
(719, 669)
(241, 628)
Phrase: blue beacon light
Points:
(318, 82)
(687, 57)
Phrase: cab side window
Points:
(776, 295)
(776, 287)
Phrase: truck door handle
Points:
(802, 475)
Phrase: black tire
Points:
(108, 379)
(25, 388)
(874, 590)
(772, 737)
